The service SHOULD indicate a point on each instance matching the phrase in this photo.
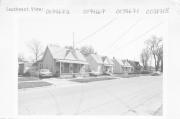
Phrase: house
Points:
(121, 66)
(95, 63)
(62, 61)
(20, 68)
(107, 64)
(99, 64)
(136, 66)
(24, 67)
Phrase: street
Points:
(123, 96)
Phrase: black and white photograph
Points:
(91, 63)
(90, 58)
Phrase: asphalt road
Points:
(123, 96)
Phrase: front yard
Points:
(130, 75)
(27, 79)
(23, 85)
(91, 79)
(31, 82)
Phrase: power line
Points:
(143, 34)
(123, 34)
(98, 30)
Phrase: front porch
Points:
(108, 68)
(70, 69)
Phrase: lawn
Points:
(27, 78)
(23, 85)
(130, 75)
(91, 79)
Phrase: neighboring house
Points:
(107, 64)
(121, 66)
(20, 68)
(95, 63)
(63, 61)
(136, 66)
(99, 64)
(24, 67)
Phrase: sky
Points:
(109, 41)
(122, 37)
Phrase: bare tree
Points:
(36, 49)
(144, 57)
(154, 45)
(86, 50)
(160, 57)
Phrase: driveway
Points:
(123, 96)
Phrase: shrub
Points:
(32, 72)
(145, 72)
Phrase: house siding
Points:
(48, 62)
(117, 68)
(21, 69)
(94, 66)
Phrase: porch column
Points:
(60, 69)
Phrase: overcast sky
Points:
(123, 35)
(113, 40)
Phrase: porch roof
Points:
(123, 63)
(72, 61)
(110, 65)
(67, 55)
(126, 66)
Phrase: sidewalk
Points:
(61, 82)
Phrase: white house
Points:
(62, 61)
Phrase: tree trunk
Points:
(155, 62)
(157, 66)
(161, 65)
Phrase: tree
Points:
(154, 45)
(86, 50)
(36, 49)
(160, 57)
(144, 57)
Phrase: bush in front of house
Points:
(146, 72)
(32, 72)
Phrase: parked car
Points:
(45, 73)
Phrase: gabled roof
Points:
(57, 51)
(124, 63)
(70, 56)
(134, 63)
(79, 55)
(119, 61)
(97, 58)
(107, 61)
(65, 54)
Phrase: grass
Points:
(24, 85)
(27, 78)
(130, 75)
(91, 79)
